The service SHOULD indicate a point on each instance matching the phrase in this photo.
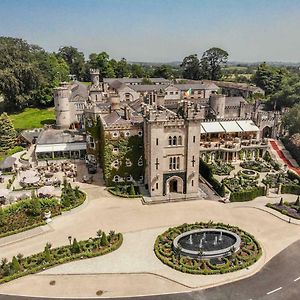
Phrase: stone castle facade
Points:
(154, 137)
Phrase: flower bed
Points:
(221, 168)
(291, 209)
(256, 165)
(21, 266)
(249, 252)
(29, 213)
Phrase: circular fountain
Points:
(207, 243)
(249, 173)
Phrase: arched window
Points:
(170, 141)
(174, 140)
(180, 140)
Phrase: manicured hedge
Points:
(290, 189)
(206, 171)
(52, 257)
(247, 195)
(165, 251)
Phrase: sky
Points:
(159, 30)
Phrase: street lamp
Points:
(70, 239)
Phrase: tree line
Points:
(28, 73)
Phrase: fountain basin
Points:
(249, 173)
(207, 243)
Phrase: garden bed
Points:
(291, 209)
(29, 213)
(21, 266)
(256, 165)
(249, 252)
(221, 168)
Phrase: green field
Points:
(33, 118)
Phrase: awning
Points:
(60, 147)
(211, 127)
(231, 126)
(248, 125)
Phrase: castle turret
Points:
(217, 104)
(62, 106)
(95, 76)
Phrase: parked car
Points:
(92, 169)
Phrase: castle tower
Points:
(95, 76)
(62, 106)
(217, 104)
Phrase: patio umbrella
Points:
(46, 190)
(4, 193)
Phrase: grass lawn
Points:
(33, 118)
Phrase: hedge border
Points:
(60, 261)
(218, 270)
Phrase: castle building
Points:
(155, 135)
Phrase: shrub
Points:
(247, 195)
(75, 247)
(104, 241)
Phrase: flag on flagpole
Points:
(188, 92)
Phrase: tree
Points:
(74, 59)
(212, 62)
(15, 265)
(47, 254)
(8, 134)
(122, 68)
(268, 78)
(28, 74)
(297, 202)
(75, 247)
(191, 67)
(291, 120)
(104, 241)
(101, 61)
(137, 71)
(34, 207)
(132, 190)
(163, 71)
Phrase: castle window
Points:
(156, 142)
(141, 178)
(157, 185)
(140, 162)
(192, 182)
(116, 164)
(140, 133)
(116, 178)
(129, 178)
(180, 140)
(174, 140)
(96, 97)
(115, 150)
(127, 133)
(194, 139)
(156, 163)
(174, 163)
(193, 161)
(128, 162)
(170, 141)
(115, 134)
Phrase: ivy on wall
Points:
(131, 148)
